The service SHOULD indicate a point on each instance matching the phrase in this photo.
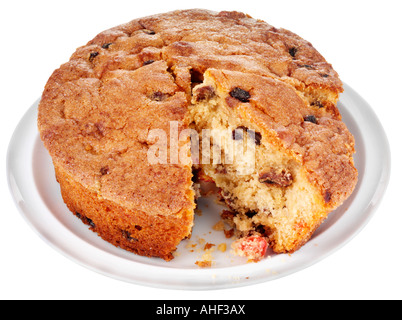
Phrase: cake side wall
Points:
(138, 232)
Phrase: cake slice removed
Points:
(295, 161)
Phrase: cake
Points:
(172, 77)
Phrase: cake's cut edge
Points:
(279, 192)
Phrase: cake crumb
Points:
(204, 264)
(207, 256)
(229, 233)
(206, 259)
(208, 246)
(252, 247)
(190, 245)
(222, 247)
(219, 226)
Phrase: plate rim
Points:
(207, 279)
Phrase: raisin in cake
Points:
(267, 87)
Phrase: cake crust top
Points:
(97, 109)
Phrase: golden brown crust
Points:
(98, 108)
(90, 125)
(144, 234)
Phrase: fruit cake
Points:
(267, 89)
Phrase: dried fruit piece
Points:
(128, 236)
(158, 96)
(311, 119)
(93, 55)
(293, 51)
(251, 214)
(317, 104)
(327, 196)
(257, 138)
(280, 177)
(90, 222)
(204, 93)
(148, 62)
(107, 45)
(104, 170)
(151, 32)
(240, 94)
(85, 220)
(307, 66)
(237, 134)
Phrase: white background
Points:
(362, 39)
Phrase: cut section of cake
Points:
(297, 163)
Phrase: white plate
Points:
(36, 194)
